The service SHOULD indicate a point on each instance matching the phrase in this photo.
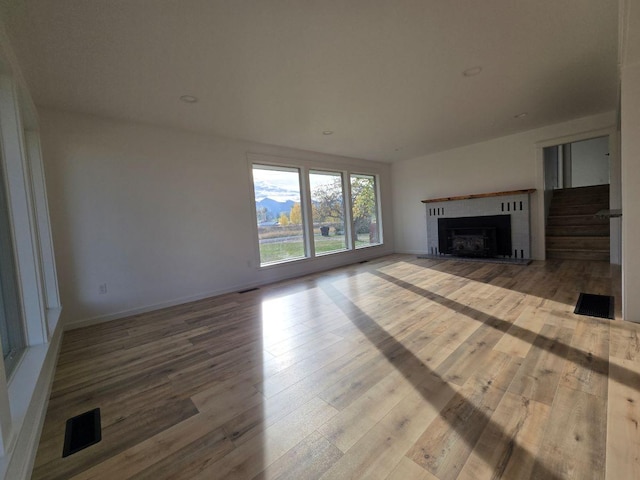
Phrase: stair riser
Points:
(578, 231)
(573, 231)
(577, 209)
(579, 243)
(580, 200)
(593, 256)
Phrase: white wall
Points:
(630, 156)
(162, 216)
(507, 163)
(590, 162)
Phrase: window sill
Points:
(28, 391)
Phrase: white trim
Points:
(412, 252)
(307, 213)
(576, 137)
(47, 257)
(615, 197)
(21, 213)
(352, 165)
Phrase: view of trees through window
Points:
(282, 225)
(327, 203)
(364, 207)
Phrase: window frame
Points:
(10, 302)
(305, 234)
(305, 167)
(378, 209)
(346, 215)
(36, 280)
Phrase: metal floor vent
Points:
(81, 432)
(601, 306)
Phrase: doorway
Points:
(578, 177)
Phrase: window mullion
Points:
(307, 215)
(348, 215)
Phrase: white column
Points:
(630, 158)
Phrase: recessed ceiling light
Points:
(188, 99)
(521, 115)
(327, 132)
(471, 72)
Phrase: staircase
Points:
(573, 230)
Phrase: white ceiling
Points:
(384, 75)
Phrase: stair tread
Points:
(573, 215)
(583, 237)
(588, 204)
(598, 226)
(602, 186)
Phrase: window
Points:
(279, 214)
(305, 212)
(29, 300)
(11, 323)
(327, 205)
(364, 210)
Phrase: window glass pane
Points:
(327, 200)
(364, 207)
(11, 324)
(279, 214)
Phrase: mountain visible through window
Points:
(279, 214)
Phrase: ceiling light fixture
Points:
(188, 99)
(472, 72)
(521, 115)
(327, 132)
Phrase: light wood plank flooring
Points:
(399, 368)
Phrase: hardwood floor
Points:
(400, 368)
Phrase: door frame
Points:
(615, 193)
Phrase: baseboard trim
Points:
(87, 322)
(150, 308)
(411, 252)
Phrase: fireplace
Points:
(480, 225)
(481, 236)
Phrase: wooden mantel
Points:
(479, 195)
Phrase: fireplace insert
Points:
(483, 236)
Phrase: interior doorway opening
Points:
(577, 178)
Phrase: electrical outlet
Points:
(102, 288)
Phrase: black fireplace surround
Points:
(484, 236)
